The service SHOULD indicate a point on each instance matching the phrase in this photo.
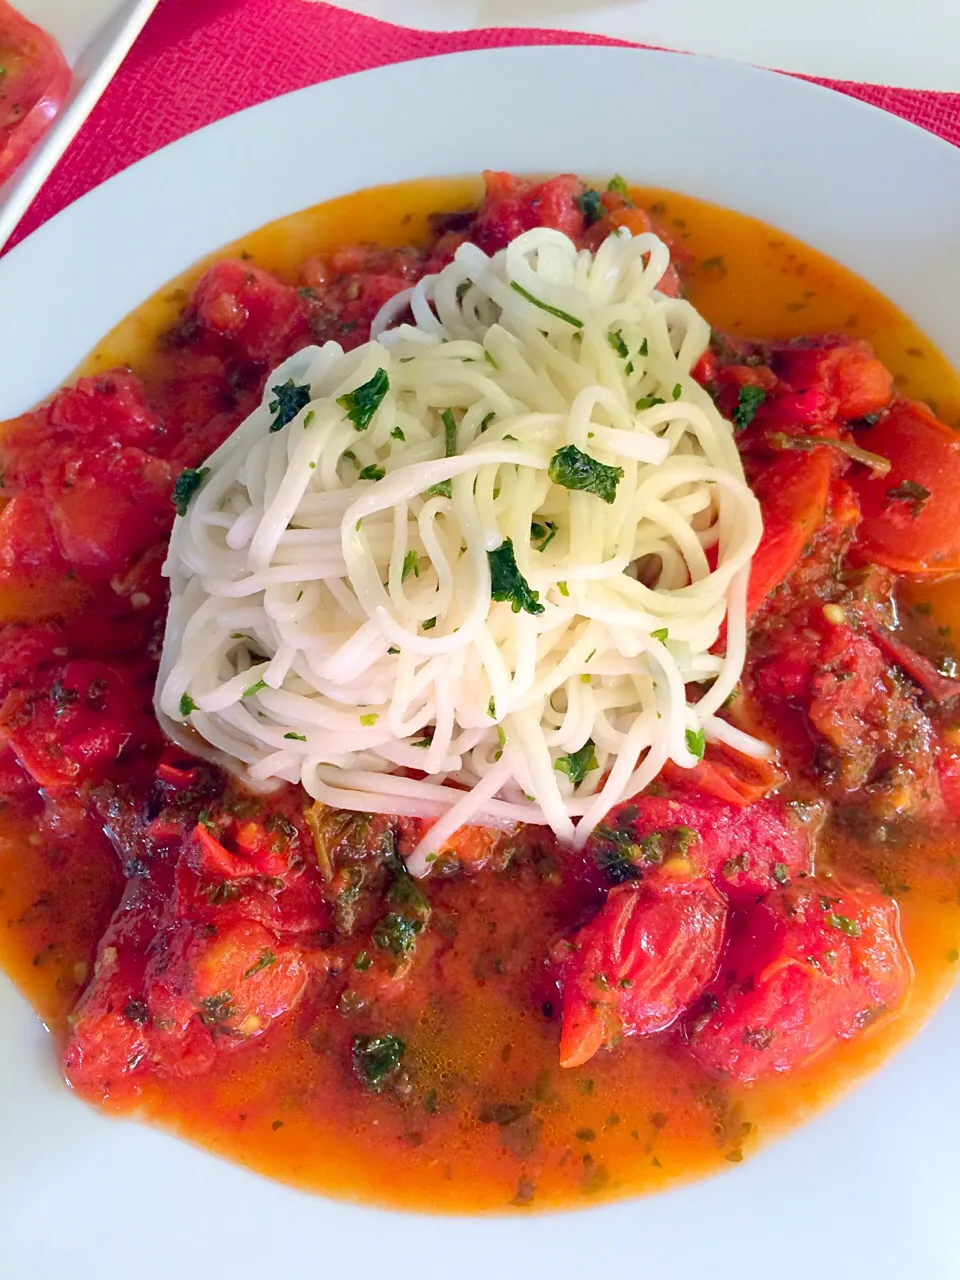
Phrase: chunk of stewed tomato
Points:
(639, 963)
(802, 970)
(855, 381)
(747, 850)
(109, 505)
(793, 492)
(262, 319)
(911, 517)
(243, 979)
(513, 205)
(71, 725)
(28, 544)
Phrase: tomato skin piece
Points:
(802, 970)
(33, 90)
(793, 492)
(922, 541)
(639, 963)
(727, 775)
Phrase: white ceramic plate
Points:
(95, 36)
(867, 1191)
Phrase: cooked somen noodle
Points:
(491, 546)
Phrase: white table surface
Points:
(911, 43)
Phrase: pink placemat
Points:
(199, 60)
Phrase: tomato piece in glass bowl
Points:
(34, 83)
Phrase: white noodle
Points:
(327, 629)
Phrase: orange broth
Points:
(491, 1121)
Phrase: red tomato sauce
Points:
(527, 1028)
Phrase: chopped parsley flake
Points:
(364, 402)
(409, 566)
(296, 737)
(291, 398)
(616, 341)
(449, 434)
(574, 469)
(188, 483)
(544, 306)
(649, 402)
(254, 688)
(751, 398)
(618, 185)
(368, 720)
(696, 742)
(508, 583)
(590, 205)
(429, 624)
(372, 472)
(660, 634)
(579, 763)
(542, 533)
(843, 923)
(187, 705)
(267, 958)
(376, 1058)
(397, 434)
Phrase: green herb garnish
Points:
(409, 566)
(372, 472)
(574, 469)
(396, 933)
(187, 704)
(508, 583)
(590, 205)
(542, 533)
(188, 482)
(616, 341)
(364, 402)
(267, 958)
(545, 306)
(696, 742)
(751, 398)
(376, 1058)
(579, 763)
(291, 398)
(843, 923)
